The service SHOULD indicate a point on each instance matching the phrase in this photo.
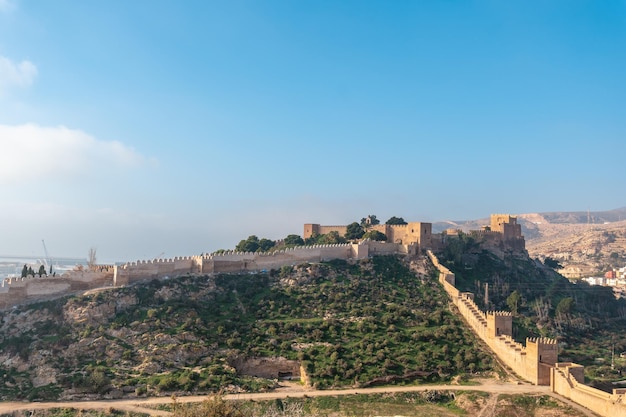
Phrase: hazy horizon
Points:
(154, 127)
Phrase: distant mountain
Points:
(465, 225)
(553, 217)
(584, 217)
(585, 243)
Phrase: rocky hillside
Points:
(587, 321)
(346, 324)
(585, 244)
(582, 250)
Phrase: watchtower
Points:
(541, 355)
(311, 229)
(499, 323)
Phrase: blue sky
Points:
(149, 127)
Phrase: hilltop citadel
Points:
(535, 361)
(407, 239)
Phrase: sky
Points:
(153, 128)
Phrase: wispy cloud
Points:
(14, 74)
(29, 152)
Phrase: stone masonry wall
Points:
(538, 360)
(253, 261)
(14, 291)
(494, 328)
(19, 290)
(567, 379)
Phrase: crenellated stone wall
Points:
(19, 290)
(14, 291)
(157, 268)
(254, 261)
(414, 233)
(568, 380)
(495, 328)
(537, 360)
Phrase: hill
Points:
(587, 321)
(346, 324)
(584, 243)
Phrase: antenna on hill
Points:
(486, 295)
(612, 353)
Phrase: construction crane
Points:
(47, 260)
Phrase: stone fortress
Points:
(535, 361)
(412, 233)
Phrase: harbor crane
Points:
(47, 261)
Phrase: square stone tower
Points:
(499, 323)
(541, 356)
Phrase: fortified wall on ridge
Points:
(407, 239)
(14, 291)
(502, 232)
(537, 360)
(532, 361)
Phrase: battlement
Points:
(161, 261)
(542, 341)
(500, 313)
(568, 380)
(537, 360)
(512, 344)
(495, 328)
(483, 232)
(18, 290)
(413, 233)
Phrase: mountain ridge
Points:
(584, 243)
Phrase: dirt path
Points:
(141, 404)
(489, 410)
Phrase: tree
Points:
(254, 244)
(294, 240)
(265, 245)
(370, 220)
(513, 301)
(330, 238)
(375, 235)
(91, 258)
(565, 306)
(251, 244)
(354, 231)
(312, 240)
(24, 271)
(552, 263)
(395, 220)
(42, 270)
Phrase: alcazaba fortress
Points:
(535, 361)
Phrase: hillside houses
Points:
(615, 278)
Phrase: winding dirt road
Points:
(142, 404)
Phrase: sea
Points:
(11, 266)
